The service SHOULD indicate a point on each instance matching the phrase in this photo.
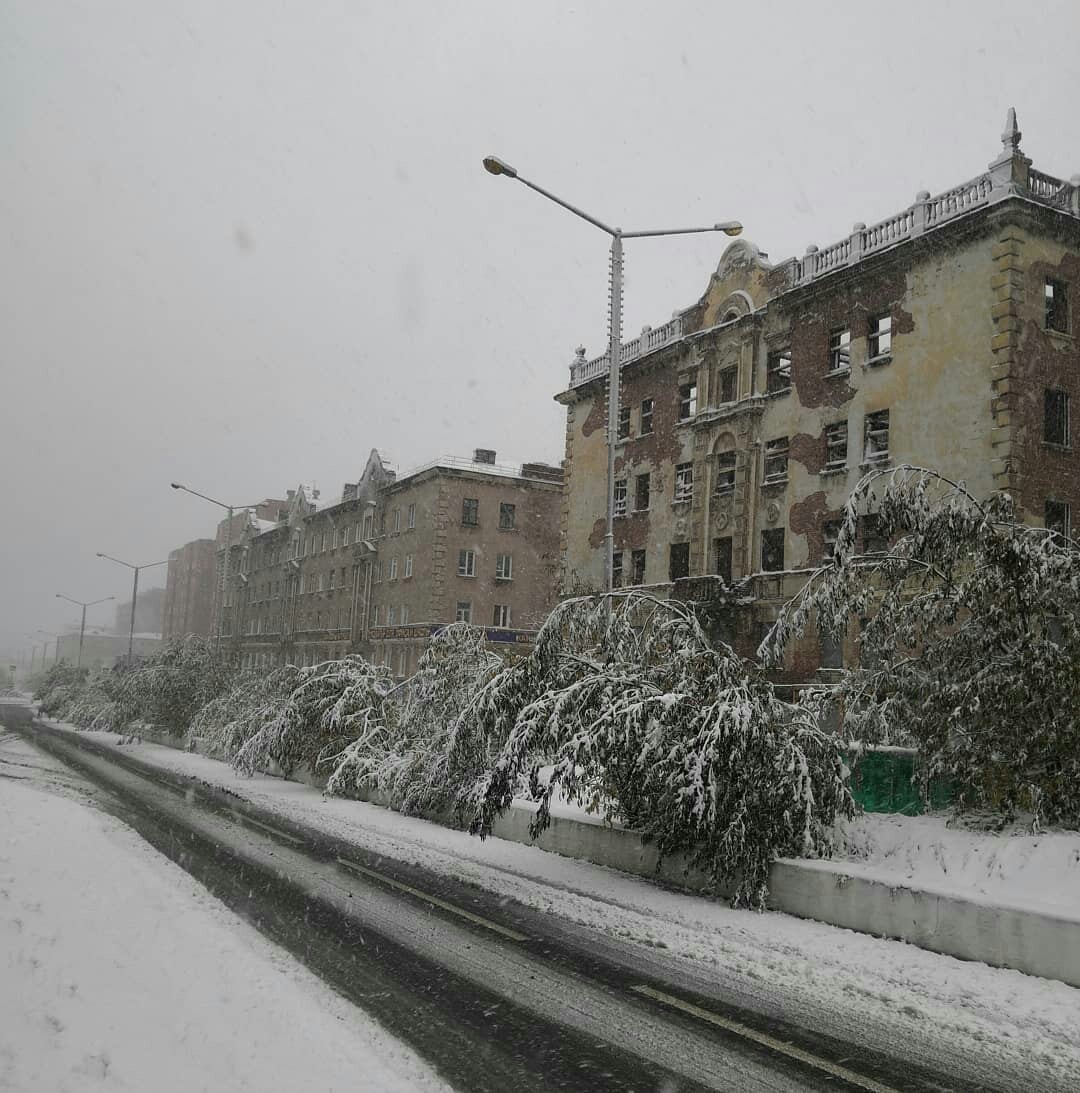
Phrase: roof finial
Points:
(1010, 138)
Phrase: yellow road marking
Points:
(267, 828)
(765, 1040)
(513, 935)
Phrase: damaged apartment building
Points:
(944, 336)
(396, 559)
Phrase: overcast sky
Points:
(245, 241)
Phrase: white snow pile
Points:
(1014, 868)
(119, 971)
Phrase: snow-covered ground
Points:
(899, 998)
(118, 971)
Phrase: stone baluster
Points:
(919, 212)
(855, 250)
(810, 262)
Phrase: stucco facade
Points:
(922, 340)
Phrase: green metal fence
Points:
(886, 780)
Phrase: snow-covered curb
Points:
(1027, 938)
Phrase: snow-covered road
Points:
(118, 971)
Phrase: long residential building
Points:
(397, 558)
(944, 336)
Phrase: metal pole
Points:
(131, 630)
(224, 578)
(33, 654)
(615, 302)
(82, 630)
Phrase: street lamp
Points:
(228, 548)
(494, 165)
(56, 646)
(82, 625)
(134, 594)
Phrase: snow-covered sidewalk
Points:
(119, 971)
(889, 995)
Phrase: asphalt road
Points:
(494, 995)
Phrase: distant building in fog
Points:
(188, 606)
(149, 613)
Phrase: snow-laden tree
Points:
(104, 703)
(173, 684)
(970, 642)
(331, 705)
(643, 717)
(58, 687)
(227, 722)
(414, 755)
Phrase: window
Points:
(687, 400)
(839, 350)
(646, 416)
(375, 615)
(410, 521)
(836, 445)
(620, 496)
(641, 492)
(830, 531)
(679, 561)
(684, 482)
(832, 650)
(637, 567)
(879, 338)
(397, 522)
(464, 611)
(504, 567)
(776, 456)
(393, 569)
(330, 580)
(1057, 306)
(772, 550)
(376, 570)
(408, 565)
(346, 535)
(501, 616)
(466, 563)
(725, 472)
(722, 558)
(402, 662)
(729, 385)
(622, 430)
(391, 615)
(1059, 517)
(616, 569)
(507, 515)
(778, 371)
(1056, 418)
(369, 525)
(322, 582)
(876, 437)
(470, 512)
(404, 614)
(874, 541)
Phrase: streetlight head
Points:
(730, 227)
(495, 166)
(100, 555)
(176, 485)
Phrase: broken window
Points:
(776, 457)
(839, 350)
(879, 340)
(722, 558)
(725, 472)
(830, 532)
(641, 492)
(679, 561)
(504, 567)
(616, 569)
(507, 515)
(470, 512)
(684, 482)
(646, 416)
(876, 437)
(778, 371)
(466, 565)
(620, 497)
(1058, 517)
(623, 429)
(836, 445)
(772, 550)
(501, 616)
(1057, 306)
(637, 567)
(729, 385)
(687, 400)
(1056, 418)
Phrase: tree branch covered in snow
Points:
(971, 645)
(643, 717)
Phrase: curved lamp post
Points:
(134, 593)
(82, 625)
(494, 165)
